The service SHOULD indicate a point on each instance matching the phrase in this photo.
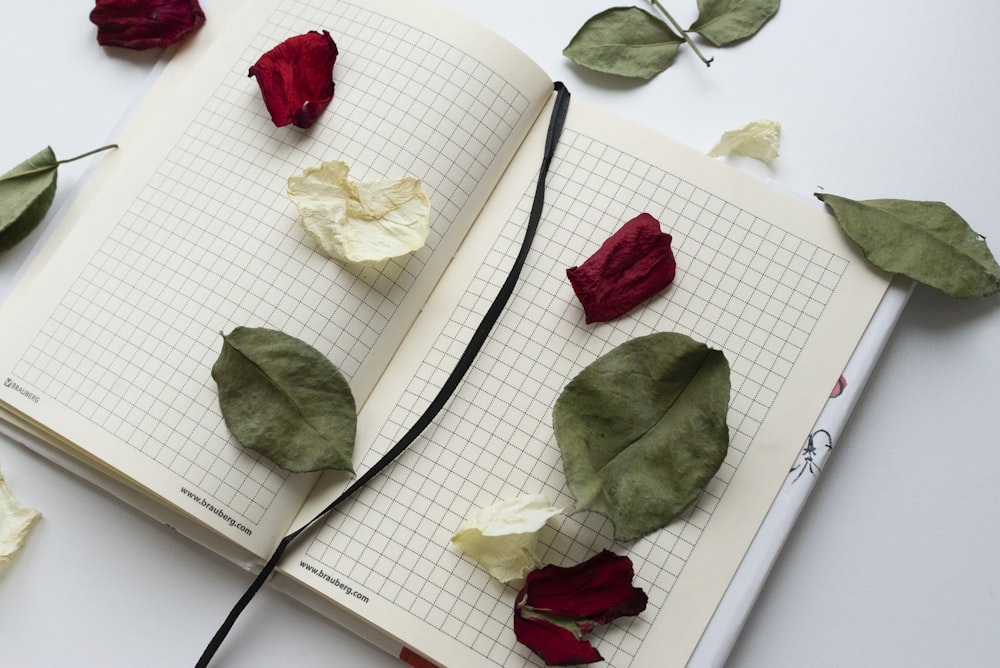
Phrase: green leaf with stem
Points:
(26, 193)
(926, 241)
(625, 41)
(677, 27)
(724, 22)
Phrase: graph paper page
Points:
(766, 279)
(186, 231)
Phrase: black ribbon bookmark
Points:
(556, 122)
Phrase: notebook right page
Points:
(768, 280)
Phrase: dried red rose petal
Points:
(296, 78)
(558, 605)
(145, 24)
(556, 645)
(630, 267)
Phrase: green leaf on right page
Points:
(723, 22)
(926, 241)
(643, 429)
(26, 198)
(284, 399)
(625, 41)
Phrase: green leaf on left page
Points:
(26, 198)
(723, 22)
(926, 241)
(643, 429)
(284, 399)
(625, 41)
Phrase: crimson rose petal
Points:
(558, 605)
(630, 267)
(556, 645)
(599, 589)
(296, 78)
(144, 24)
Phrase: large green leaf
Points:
(625, 41)
(926, 241)
(643, 429)
(25, 198)
(281, 397)
(723, 22)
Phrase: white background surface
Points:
(895, 560)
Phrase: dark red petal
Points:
(630, 267)
(599, 589)
(557, 646)
(144, 24)
(296, 78)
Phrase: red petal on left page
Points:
(634, 264)
(145, 24)
(296, 78)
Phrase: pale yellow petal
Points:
(759, 139)
(360, 222)
(502, 537)
(16, 521)
(508, 558)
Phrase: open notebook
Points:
(186, 231)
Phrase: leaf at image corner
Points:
(926, 241)
(723, 22)
(284, 399)
(25, 200)
(643, 429)
(625, 41)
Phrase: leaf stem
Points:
(47, 168)
(684, 34)
(84, 155)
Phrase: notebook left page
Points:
(186, 231)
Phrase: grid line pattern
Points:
(210, 242)
(743, 285)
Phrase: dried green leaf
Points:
(27, 191)
(26, 198)
(723, 22)
(643, 429)
(759, 139)
(284, 399)
(625, 41)
(926, 241)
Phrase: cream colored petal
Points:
(502, 537)
(507, 558)
(759, 139)
(16, 521)
(520, 515)
(360, 222)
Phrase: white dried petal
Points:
(759, 140)
(503, 536)
(16, 521)
(360, 222)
